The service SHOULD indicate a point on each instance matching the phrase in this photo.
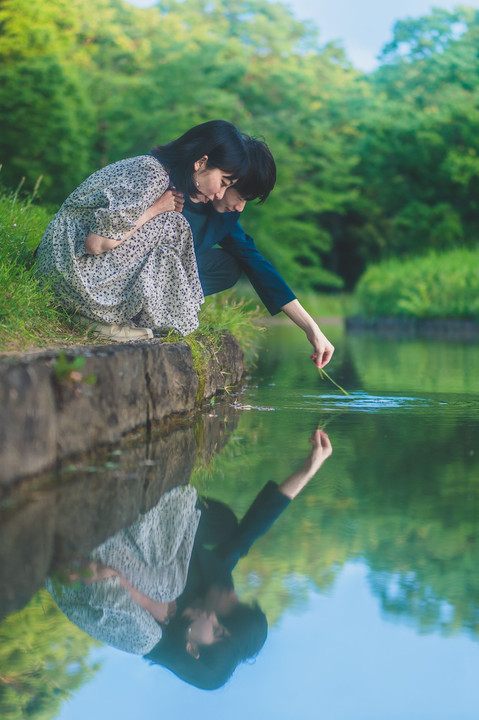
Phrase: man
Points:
(217, 223)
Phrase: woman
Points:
(119, 251)
(211, 630)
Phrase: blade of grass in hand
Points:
(324, 374)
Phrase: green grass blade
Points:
(324, 374)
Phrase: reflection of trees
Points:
(43, 660)
(419, 366)
(417, 517)
(297, 552)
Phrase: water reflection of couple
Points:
(163, 587)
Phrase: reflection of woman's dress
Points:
(151, 278)
(153, 554)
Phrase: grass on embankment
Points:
(437, 285)
(31, 316)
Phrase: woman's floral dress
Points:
(151, 278)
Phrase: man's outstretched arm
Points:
(322, 348)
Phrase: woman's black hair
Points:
(248, 627)
(223, 144)
(260, 177)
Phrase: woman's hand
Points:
(92, 573)
(320, 452)
(97, 244)
(322, 449)
(170, 200)
(322, 348)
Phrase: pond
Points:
(368, 578)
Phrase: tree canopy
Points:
(369, 166)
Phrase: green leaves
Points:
(436, 285)
(368, 166)
(97, 84)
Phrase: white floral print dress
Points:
(151, 278)
(153, 554)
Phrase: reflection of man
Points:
(217, 223)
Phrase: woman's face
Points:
(204, 629)
(211, 183)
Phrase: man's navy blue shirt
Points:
(212, 228)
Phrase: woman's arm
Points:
(95, 572)
(161, 611)
(170, 200)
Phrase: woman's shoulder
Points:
(141, 164)
(133, 174)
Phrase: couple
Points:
(125, 249)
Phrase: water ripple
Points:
(363, 402)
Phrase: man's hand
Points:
(323, 349)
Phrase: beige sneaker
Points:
(114, 331)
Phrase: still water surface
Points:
(369, 578)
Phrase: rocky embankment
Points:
(55, 518)
(59, 404)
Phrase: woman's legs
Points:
(151, 278)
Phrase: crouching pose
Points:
(119, 251)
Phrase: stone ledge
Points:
(44, 419)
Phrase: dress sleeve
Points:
(115, 197)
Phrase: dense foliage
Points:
(44, 660)
(370, 166)
(437, 285)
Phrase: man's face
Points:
(230, 202)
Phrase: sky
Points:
(361, 664)
(362, 26)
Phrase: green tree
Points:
(43, 660)
(113, 82)
(418, 138)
